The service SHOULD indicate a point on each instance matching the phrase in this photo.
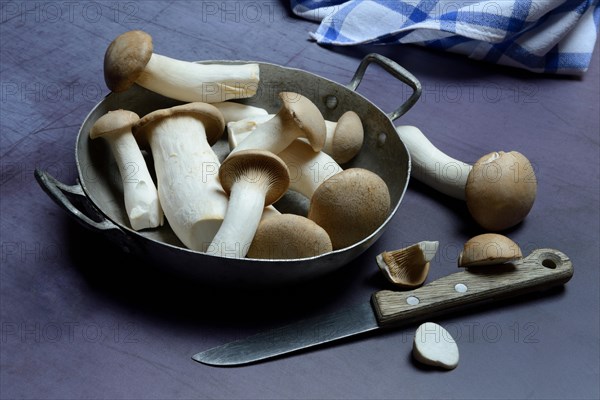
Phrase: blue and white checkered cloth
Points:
(552, 36)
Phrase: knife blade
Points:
(542, 269)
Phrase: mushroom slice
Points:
(139, 192)
(433, 345)
(187, 169)
(499, 189)
(129, 59)
(298, 117)
(253, 179)
(408, 267)
(350, 206)
(289, 236)
(489, 249)
(344, 137)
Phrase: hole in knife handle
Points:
(550, 260)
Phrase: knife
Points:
(542, 269)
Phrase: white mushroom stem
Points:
(140, 195)
(187, 171)
(274, 135)
(238, 131)
(244, 211)
(209, 83)
(308, 169)
(233, 111)
(432, 167)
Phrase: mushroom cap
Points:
(488, 249)
(289, 236)
(350, 206)
(125, 59)
(258, 166)
(500, 190)
(112, 122)
(209, 115)
(347, 138)
(307, 117)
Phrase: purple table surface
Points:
(80, 319)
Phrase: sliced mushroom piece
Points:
(489, 249)
(187, 169)
(289, 236)
(407, 267)
(298, 117)
(350, 206)
(253, 179)
(433, 345)
(139, 192)
(500, 188)
(233, 111)
(129, 59)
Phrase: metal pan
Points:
(96, 201)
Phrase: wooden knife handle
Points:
(542, 269)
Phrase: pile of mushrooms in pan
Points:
(225, 209)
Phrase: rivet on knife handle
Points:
(542, 269)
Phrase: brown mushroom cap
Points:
(350, 206)
(255, 166)
(306, 116)
(112, 122)
(125, 59)
(347, 138)
(500, 190)
(209, 115)
(289, 236)
(488, 249)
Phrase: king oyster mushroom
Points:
(350, 206)
(130, 59)
(187, 168)
(297, 117)
(289, 236)
(499, 189)
(308, 169)
(139, 192)
(343, 139)
(253, 179)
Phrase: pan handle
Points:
(397, 72)
(58, 192)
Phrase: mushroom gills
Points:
(408, 267)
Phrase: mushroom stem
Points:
(187, 169)
(139, 193)
(432, 167)
(308, 169)
(253, 180)
(209, 83)
(298, 117)
(244, 211)
(233, 111)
